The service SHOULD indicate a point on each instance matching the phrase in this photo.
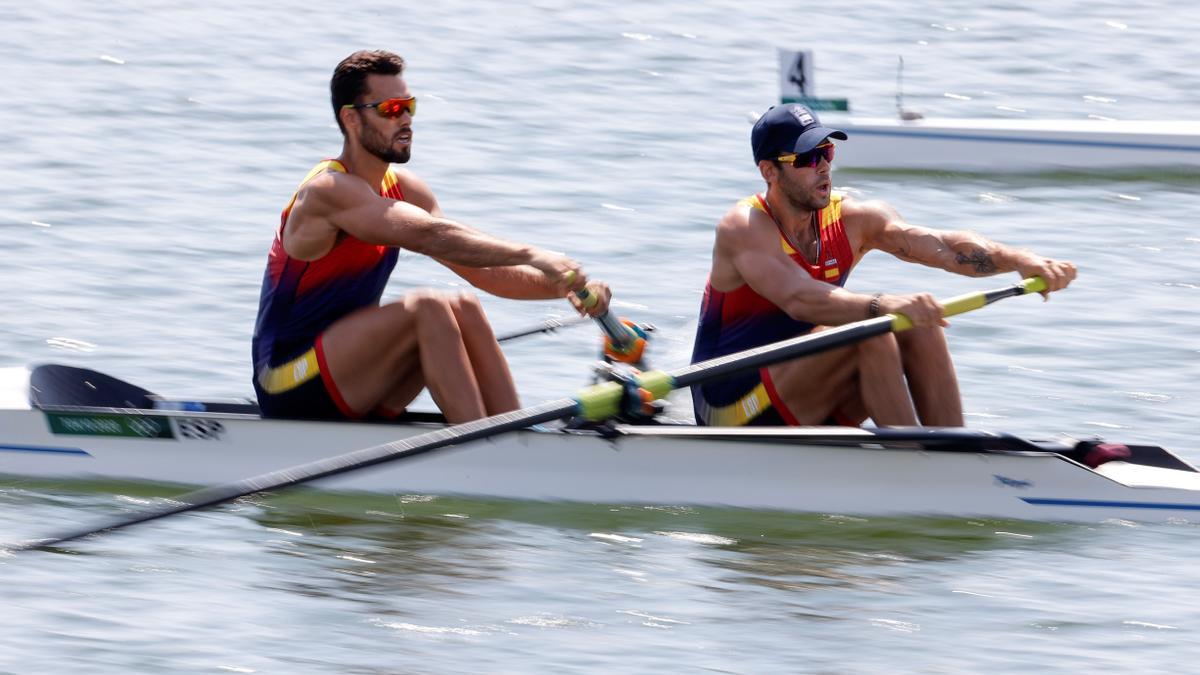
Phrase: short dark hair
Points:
(350, 77)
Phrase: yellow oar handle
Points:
(1034, 285)
(602, 401)
(622, 339)
(586, 299)
(972, 301)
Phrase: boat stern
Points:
(14, 388)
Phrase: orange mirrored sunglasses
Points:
(390, 108)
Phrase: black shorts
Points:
(299, 387)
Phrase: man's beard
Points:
(374, 143)
(803, 199)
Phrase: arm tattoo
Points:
(981, 260)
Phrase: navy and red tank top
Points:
(301, 298)
(731, 321)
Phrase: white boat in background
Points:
(61, 423)
(1015, 145)
(910, 141)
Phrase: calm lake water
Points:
(149, 148)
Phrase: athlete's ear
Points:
(349, 118)
(769, 170)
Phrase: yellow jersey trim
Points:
(740, 412)
(832, 213)
(321, 167)
(827, 216)
(291, 374)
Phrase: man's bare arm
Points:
(958, 251)
(517, 282)
(756, 254)
(347, 203)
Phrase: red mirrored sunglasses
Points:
(390, 108)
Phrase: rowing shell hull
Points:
(1002, 145)
(771, 469)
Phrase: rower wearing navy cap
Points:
(779, 270)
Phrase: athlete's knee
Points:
(465, 301)
(925, 333)
(880, 346)
(424, 302)
(923, 338)
(467, 307)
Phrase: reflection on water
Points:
(819, 552)
(303, 521)
(404, 541)
(418, 573)
(373, 549)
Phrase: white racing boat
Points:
(984, 145)
(61, 422)
(910, 141)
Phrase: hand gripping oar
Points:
(597, 402)
(624, 340)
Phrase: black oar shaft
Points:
(325, 468)
(715, 369)
(547, 326)
(837, 337)
(618, 333)
(602, 400)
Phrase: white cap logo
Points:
(802, 115)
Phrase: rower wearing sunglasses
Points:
(324, 346)
(779, 269)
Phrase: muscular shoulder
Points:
(323, 198)
(866, 210)
(733, 220)
(863, 219)
(744, 235)
(743, 224)
(310, 229)
(416, 190)
(332, 190)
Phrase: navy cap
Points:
(788, 128)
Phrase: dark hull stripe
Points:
(1098, 503)
(43, 448)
